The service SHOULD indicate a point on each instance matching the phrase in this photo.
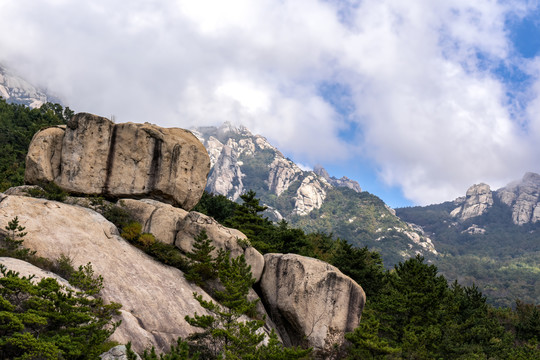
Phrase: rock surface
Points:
(229, 147)
(310, 195)
(523, 197)
(161, 220)
(478, 199)
(117, 353)
(310, 300)
(99, 157)
(44, 156)
(222, 238)
(155, 297)
(342, 182)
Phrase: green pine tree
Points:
(202, 266)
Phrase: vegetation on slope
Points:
(504, 262)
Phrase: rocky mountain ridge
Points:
(522, 196)
(312, 200)
(15, 89)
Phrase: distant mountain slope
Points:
(312, 200)
(16, 90)
(491, 238)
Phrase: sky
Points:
(416, 100)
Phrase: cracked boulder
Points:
(311, 302)
(94, 156)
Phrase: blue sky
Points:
(415, 100)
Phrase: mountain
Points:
(311, 200)
(490, 238)
(16, 90)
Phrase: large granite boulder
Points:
(98, 157)
(311, 302)
(155, 297)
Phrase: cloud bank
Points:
(412, 86)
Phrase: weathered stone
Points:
(155, 297)
(523, 197)
(310, 195)
(161, 220)
(478, 199)
(226, 176)
(222, 238)
(99, 157)
(343, 182)
(26, 269)
(23, 190)
(44, 155)
(282, 173)
(117, 353)
(310, 300)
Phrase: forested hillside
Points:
(500, 257)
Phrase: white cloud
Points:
(431, 116)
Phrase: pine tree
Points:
(202, 266)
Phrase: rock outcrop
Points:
(478, 199)
(282, 173)
(155, 297)
(230, 148)
(311, 302)
(310, 195)
(226, 176)
(523, 197)
(161, 220)
(342, 182)
(98, 157)
(178, 227)
(222, 238)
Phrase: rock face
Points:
(161, 220)
(222, 238)
(523, 197)
(310, 300)
(236, 154)
(226, 176)
(479, 198)
(178, 227)
(310, 195)
(99, 157)
(343, 182)
(155, 297)
(16, 90)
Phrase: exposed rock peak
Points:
(16, 90)
(478, 199)
(342, 182)
(523, 197)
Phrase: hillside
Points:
(311, 200)
(490, 238)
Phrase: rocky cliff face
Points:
(523, 197)
(15, 89)
(92, 155)
(478, 199)
(238, 156)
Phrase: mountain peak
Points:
(16, 90)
